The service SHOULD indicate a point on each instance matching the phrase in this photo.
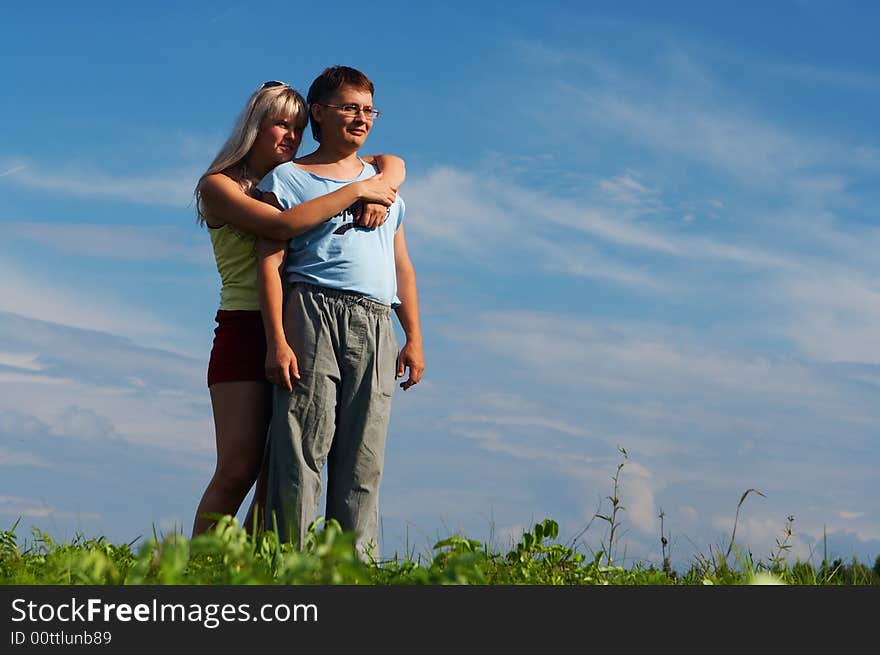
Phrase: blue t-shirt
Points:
(337, 254)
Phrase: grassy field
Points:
(228, 555)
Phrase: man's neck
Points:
(342, 163)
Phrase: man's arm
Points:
(411, 355)
(393, 170)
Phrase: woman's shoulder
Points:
(216, 191)
(218, 183)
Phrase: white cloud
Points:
(844, 243)
(867, 82)
(13, 170)
(466, 212)
(125, 242)
(83, 423)
(570, 388)
(26, 361)
(13, 421)
(760, 536)
(43, 297)
(631, 356)
(172, 188)
(809, 271)
(834, 315)
(627, 190)
(612, 229)
(28, 378)
(103, 412)
(38, 508)
(583, 260)
(638, 490)
(521, 421)
(849, 516)
(743, 146)
(9, 457)
(680, 108)
(98, 386)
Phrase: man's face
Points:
(346, 118)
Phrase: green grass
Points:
(227, 555)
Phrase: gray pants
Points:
(338, 413)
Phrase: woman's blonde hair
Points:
(272, 101)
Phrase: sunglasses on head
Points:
(271, 83)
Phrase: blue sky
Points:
(632, 225)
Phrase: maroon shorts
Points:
(239, 351)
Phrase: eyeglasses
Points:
(354, 110)
(271, 83)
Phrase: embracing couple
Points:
(312, 258)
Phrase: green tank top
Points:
(236, 255)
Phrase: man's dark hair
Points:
(328, 83)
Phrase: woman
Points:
(267, 133)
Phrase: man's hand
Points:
(376, 196)
(410, 357)
(371, 214)
(281, 366)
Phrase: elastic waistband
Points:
(348, 298)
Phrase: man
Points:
(334, 355)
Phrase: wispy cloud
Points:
(43, 297)
(588, 261)
(639, 356)
(834, 316)
(860, 81)
(660, 392)
(26, 361)
(747, 147)
(700, 423)
(125, 242)
(172, 188)
(9, 457)
(678, 109)
(38, 508)
(93, 385)
(521, 421)
(566, 236)
(13, 170)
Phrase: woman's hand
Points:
(376, 197)
(376, 190)
(281, 366)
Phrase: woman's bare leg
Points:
(241, 418)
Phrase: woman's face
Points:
(277, 141)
